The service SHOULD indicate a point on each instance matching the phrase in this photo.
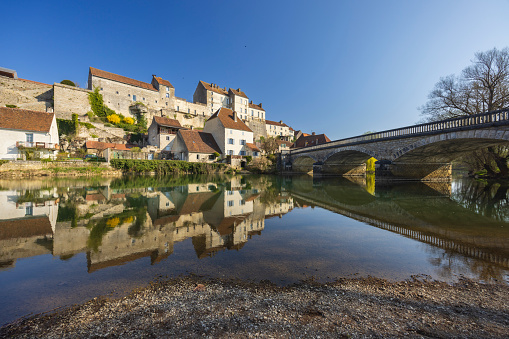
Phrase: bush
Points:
(113, 118)
(129, 121)
(11, 106)
(165, 166)
(68, 83)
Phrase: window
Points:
(134, 97)
(143, 99)
(101, 88)
(29, 210)
(242, 202)
(230, 152)
(197, 158)
(178, 108)
(156, 101)
(30, 137)
(117, 92)
(167, 89)
(255, 154)
(212, 157)
(188, 110)
(194, 112)
(129, 95)
(166, 103)
(167, 95)
(252, 113)
(230, 203)
(230, 141)
(242, 141)
(167, 137)
(242, 152)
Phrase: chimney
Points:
(313, 133)
(281, 121)
(234, 116)
(260, 105)
(238, 90)
(251, 102)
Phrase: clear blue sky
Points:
(335, 67)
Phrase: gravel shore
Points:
(347, 308)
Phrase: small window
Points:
(117, 92)
(242, 152)
(230, 152)
(194, 112)
(178, 108)
(230, 141)
(166, 103)
(188, 110)
(134, 97)
(30, 137)
(230, 203)
(197, 158)
(167, 138)
(167, 95)
(101, 88)
(143, 99)
(156, 101)
(167, 89)
(129, 95)
(29, 210)
(242, 142)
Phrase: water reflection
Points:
(464, 226)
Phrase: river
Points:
(65, 241)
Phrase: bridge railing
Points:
(500, 117)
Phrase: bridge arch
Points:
(303, 163)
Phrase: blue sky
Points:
(336, 67)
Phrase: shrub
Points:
(135, 149)
(165, 166)
(113, 118)
(11, 106)
(129, 121)
(96, 102)
(90, 115)
(68, 83)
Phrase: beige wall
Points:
(26, 94)
(69, 100)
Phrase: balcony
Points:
(37, 145)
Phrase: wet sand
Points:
(191, 306)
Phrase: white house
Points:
(27, 131)
(231, 133)
(162, 132)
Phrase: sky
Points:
(336, 67)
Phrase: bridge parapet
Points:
(495, 118)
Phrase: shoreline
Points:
(192, 306)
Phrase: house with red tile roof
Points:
(27, 132)
(310, 140)
(195, 146)
(231, 133)
(279, 129)
(162, 132)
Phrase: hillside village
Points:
(120, 117)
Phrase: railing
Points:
(44, 145)
(500, 117)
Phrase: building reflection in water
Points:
(121, 220)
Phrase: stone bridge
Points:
(419, 152)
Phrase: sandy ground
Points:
(348, 308)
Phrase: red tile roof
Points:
(25, 227)
(216, 89)
(25, 120)
(311, 140)
(225, 115)
(255, 106)
(238, 92)
(270, 122)
(91, 144)
(161, 121)
(115, 77)
(163, 82)
(252, 147)
(199, 142)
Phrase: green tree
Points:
(68, 83)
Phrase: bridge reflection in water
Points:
(121, 220)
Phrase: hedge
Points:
(166, 166)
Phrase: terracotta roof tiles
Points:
(162, 121)
(255, 106)
(270, 122)
(120, 78)
(225, 115)
(104, 145)
(163, 82)
(25, 120)
(252, 147)
(238, 92)
(199, 142)
(216, 89)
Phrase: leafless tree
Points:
(481, 87)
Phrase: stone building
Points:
(231, 133)
(279, 129)
(310, 140)
(195, 146)
(162, 132)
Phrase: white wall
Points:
(8, 149)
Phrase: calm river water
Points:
(66, 241)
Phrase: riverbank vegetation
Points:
(166, 166)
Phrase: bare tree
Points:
(270, 145)
(481, 87)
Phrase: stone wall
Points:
(26, 94)
(40, 165)
(257, 126)
(69, 100)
